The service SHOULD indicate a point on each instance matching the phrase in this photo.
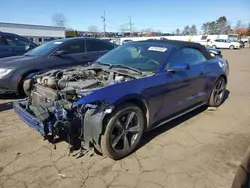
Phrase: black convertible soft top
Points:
(182, 44)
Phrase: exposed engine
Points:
(51, 97)
(70, 84)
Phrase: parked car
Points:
(126, 41)
(60, 53)
(12, 45)
(163, 38)
(223, 43)
(134, 88)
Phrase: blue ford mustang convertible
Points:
(134, 88)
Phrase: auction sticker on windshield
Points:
(58, 42)
(157, 48)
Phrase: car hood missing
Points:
(72, 84)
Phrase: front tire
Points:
(231, 47)
(214, 46)
(123, 132)
(218, 93)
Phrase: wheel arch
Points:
(100, 120)
(221, 76)
(23, 76)
(139, 101)
(224, 77)
(232, 45)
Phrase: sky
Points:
(160, 15)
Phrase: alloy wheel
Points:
(125, 131)
(219, 91)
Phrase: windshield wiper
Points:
(126, 67)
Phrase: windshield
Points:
(44, 49)
(141, 56)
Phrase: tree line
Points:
(217, 27)
(221, 26)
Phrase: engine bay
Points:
(51, 98)
(57, 90)
(71, 84)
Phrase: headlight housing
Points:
(4, 72)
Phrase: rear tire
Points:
(214, 46)
(123, 132)
(218, 93)
(231, 47)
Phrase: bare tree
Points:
(205, 27)
(177, 32)
(240, 28)
(193, 30)
(248, 30)
(219, 26)
(186, 30)
(59, 20)
(148, 30)
(223, 26)
(93, 28)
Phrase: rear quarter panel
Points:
(215, 68)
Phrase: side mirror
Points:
(59, 53)
(179, 67)
(212, 54)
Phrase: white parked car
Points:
(223, 43)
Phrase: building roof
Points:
(4, 24)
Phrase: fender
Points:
(93, 119)
(113, 94)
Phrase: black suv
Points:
(12, 45)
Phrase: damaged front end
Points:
(53, 109)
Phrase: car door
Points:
(186, 87)
(4, 49)
(97, 48)
(218, 43)
(227, 43)
(224, 43)
(16, 45)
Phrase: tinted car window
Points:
(13, 40)
(74, 47)
(186, 55)
(94, 46)
(45, 49)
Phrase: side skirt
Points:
(178, 115)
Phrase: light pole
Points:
(104, 23)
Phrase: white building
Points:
(36, 33)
